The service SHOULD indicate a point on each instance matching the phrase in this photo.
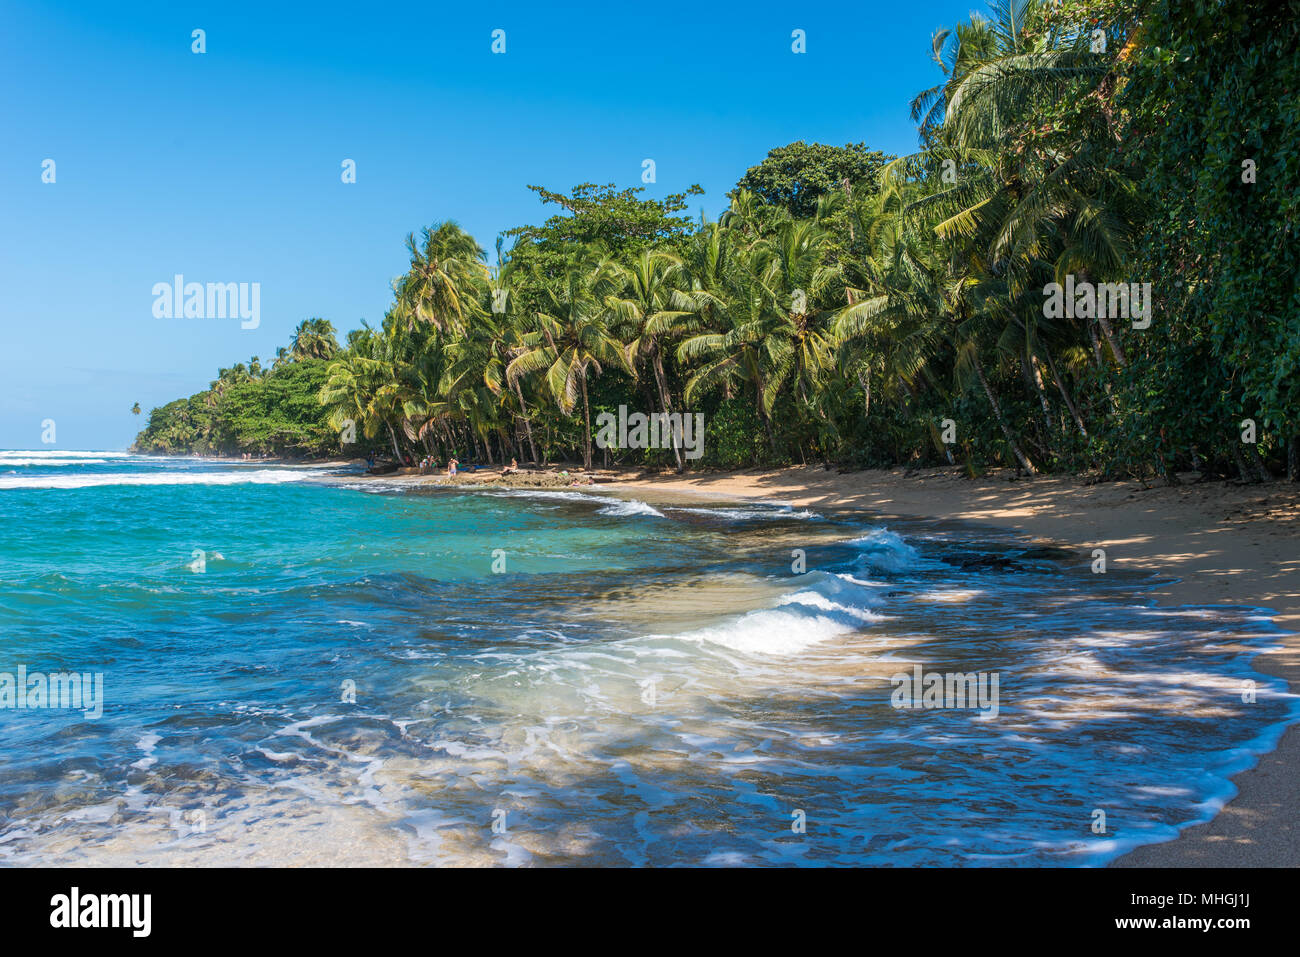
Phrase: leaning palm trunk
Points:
(1002, 422)
(393, 435)
(528, 427)
(1114, 344)
(1101, 366)
(1060, 385)
(586, 417)
(660, 380)
(1037, 374)
(1096, 347)
(1109, 333)
(762, 414)
(1034, 384)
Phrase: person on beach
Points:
(513, 467)
(451, 467)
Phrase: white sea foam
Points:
(630, 507)
(147, 742)
(830, 605)
(49, 462)
(747, 514)
(884, 550)
(238, 477)
(6, 454)
(613, 506)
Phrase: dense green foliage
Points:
(274, 411)
(1214, 85)
(868, 310)
(797, 176)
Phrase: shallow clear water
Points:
(634, 684)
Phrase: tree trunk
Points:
(586, 417)
(1114, 345)
(1060, 385)
(393, 435)
(528, 427)
(1240, 462)
(865, 380)
(664, 402)
(1034, 384)
(1257, 464)
(1101, 366)
(762, 414)
(1027, 465)
(1037, 372)
(1096, 346)
(1293, 459)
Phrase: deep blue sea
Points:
(296, 667)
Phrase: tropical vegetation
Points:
(859, 309)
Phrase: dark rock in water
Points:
(995, 563)
(976, 561)
(1049, 553)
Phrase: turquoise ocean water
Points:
(301, 669)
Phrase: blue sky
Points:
(225, 166)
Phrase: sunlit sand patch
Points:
(259, 828)
(676, 604)
(951, 596)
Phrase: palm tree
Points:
(995, 68)
(472, 378)
(447, 275)
(750, 216)
(135, 409)
(313, 339)
(363, 388)
(781, 301)
(727, 296)
(572, 337)
(1018, 203)
(507, 342)
(890, 324)
(643, 314)
(804, 293)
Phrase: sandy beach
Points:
(1222, 542)
(1225, 543)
